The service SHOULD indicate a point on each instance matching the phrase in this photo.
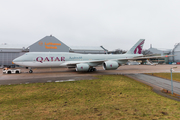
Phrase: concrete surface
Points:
(160, 82)
(65, 74)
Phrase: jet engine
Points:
(82, 67)
(110, 65)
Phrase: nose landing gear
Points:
(30, 71)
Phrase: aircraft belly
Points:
(19, 63)
(39, 64)
(35, 64)
(55, 64)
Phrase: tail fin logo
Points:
(138, 49)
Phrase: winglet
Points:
(137, 48)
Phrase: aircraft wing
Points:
(142, 58)
(73, 63)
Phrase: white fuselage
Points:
(58, 59)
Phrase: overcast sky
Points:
(111, 23)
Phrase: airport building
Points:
(160, 52)
(176, 53)
(88, 49)
(49, 44)
(8, 52)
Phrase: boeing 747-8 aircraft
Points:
(81, 62)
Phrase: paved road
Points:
(160, 82)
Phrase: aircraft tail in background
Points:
(137, 48)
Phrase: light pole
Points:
(172, 80)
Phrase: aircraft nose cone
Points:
(15, 61)
(18, 60)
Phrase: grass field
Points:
(175, 76)
(109, 97)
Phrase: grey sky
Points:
(111, 23)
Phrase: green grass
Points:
(109, 97)
(175, 76)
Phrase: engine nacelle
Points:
(110, 65)
(82, 67)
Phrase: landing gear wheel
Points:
(89, 69)
(30, 71)
(92, 69)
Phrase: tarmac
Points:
(45, 74)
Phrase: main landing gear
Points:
(92, 69)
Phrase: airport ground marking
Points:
(49, 81)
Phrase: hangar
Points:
(49, 44)
(8, 52)
(176, 52)
(88, 49)
(160, 52)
